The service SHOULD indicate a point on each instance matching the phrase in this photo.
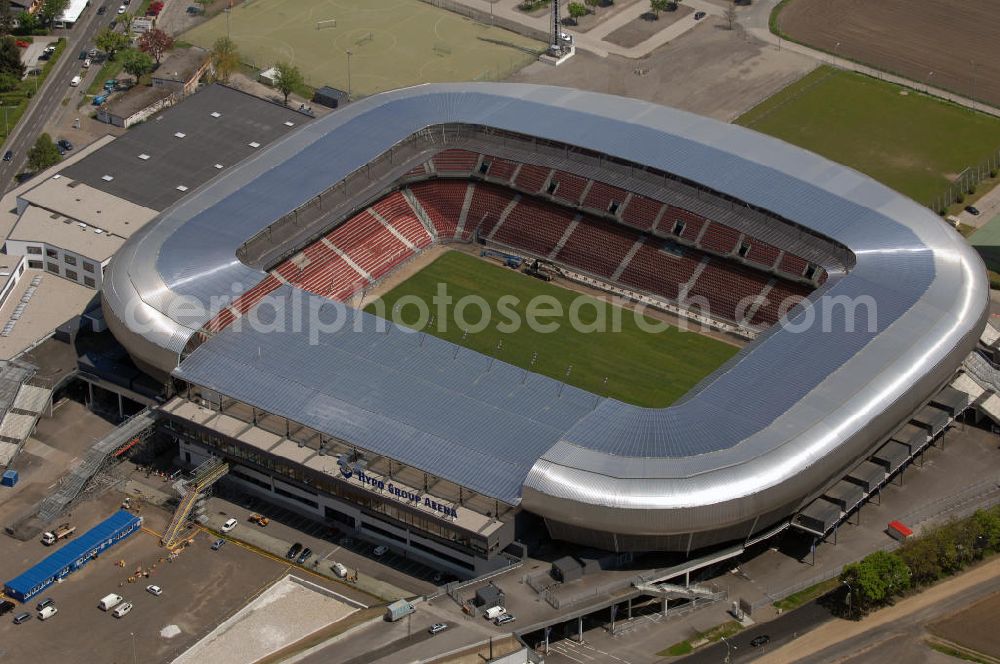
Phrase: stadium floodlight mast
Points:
(556, 45)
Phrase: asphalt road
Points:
(780, 630)
(49, 96)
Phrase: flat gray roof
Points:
(189, 161)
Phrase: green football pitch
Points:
(913, 143)
(631, 362)
(393, 43)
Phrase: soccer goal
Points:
(327, 23)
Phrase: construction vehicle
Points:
(510, 260)
(62, 532)
(537, 270)
(259, 519)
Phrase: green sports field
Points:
(642, 367)
(906, 140)
(394, 43)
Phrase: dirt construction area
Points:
(709, 70)
(950, 44)
(973, 628)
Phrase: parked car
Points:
(154, 590)
(82, 56)
(64, 144)
(339, 570)
(86, 63)
(99, 99)
(92, 53)
(122, 609)
(6, 607)
(102, 10)
(437, 628)
(761, 640)
(293, 551)
(48, 601)
(46, 55)
(229, 525)
(699, 15)
(972, 209)
(304, 556)
(193, 10)
(122, 9)
(113, 24)
(75, 82)
(8, 155)
(47, 612)
(21, 617)
(217, 544)
(504, 619)
(380, 550)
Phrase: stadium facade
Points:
(435, 449)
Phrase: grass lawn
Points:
(725, 630)
(393, 43)
(795, 600)
(906, 140)
(650, 369)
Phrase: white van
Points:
(47, 612)
(109, 602)
(122, 609)
(339, 570)
(494, 612)
(75, 82)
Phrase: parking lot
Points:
(329, 545)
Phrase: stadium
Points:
(410, 439)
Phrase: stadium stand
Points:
(597, 247)
(641, 212)
(683, 224)
(792, 264)
(660, 271)
(395, 209)
(761, 253)
(369, 244)
(501, 169)
(442, 200)
(487, 204)
(323, 272)
(567, 187)
(534, 226)
(600, 196)
(455, 161)
(719, 238)
(531, 179)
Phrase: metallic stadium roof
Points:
(799, 406)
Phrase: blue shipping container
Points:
(9, 478)
(73, 555)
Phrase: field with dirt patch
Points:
(974, 627)
(952, 44)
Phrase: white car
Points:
(75, 82)
(122, 9)
(154, 590)
(229, 525)
(380, 550)
(86, 63)
(122, 609)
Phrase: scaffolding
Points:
(202, 479)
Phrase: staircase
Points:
(203, 477)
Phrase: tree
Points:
(111, 42)
(289, 78)
(731, 16)
(136, 63)
(592, 5)
(576, 11)
(6, 18)
(26, 23)
(875, 579)
(225, 58)
(52, 9)
(10, 58)
(43, 154)
(8, 82)
(658, 6)
(126, 20)
(155, 42)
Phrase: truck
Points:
(538, 271)
(259, 519)
(494, 612)
(109, 602)
(62, 532)
(398, 609)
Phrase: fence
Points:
(487, 18)
(966, 183)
